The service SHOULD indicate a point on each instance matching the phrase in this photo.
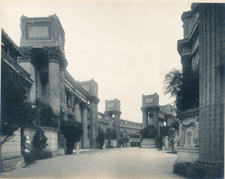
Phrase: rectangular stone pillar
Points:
(211, 82)
(96, 122)
(144, 117)
(156, 125)
(117, 124)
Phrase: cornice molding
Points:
(190, 40)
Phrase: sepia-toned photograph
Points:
(112, 89)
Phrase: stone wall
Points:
(10, 154)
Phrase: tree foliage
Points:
(16, 111)
(124, 138)
(172, 138)
(46, 115)
(185, 91)
(147, 132)
(72, 131)
(39, 140)
(101, 137)
(173, 81)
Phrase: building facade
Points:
(41, 62)
(202, 49)
(155, 115)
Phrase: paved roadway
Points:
(102, 164)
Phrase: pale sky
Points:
(126, 47)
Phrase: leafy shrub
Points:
(39, 140)
(172, 138)
(110, 134)
(175, 124)
(38, 155)
(47, 117)
(199, 170)
(147, 132)
(164, 130)
(29, 157)
(101, 137)
(72, 131)
(135, 144)
(124, 138)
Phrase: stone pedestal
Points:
(114, 143)
(188, 138)
(187, 154)
(148, 143)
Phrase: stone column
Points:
(186, 63)
(92, 122)
(85, 126)
(77, 109)
(53, 55)
(117, 124)
(96, 120)
(156, 125)
(108, 118)
(211, 82)
(144, 117)
(27, 61)
(63, 105)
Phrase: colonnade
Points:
(57, 96)
(116, 121)
(150, 117)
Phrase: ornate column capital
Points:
(84, 105)
(53, 53)
(108, 113)
(154, 108)
(27, 54)
(117, 113)
(93, 99)
(144, 109)
(77, 100)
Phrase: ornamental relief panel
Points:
(189, 134)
